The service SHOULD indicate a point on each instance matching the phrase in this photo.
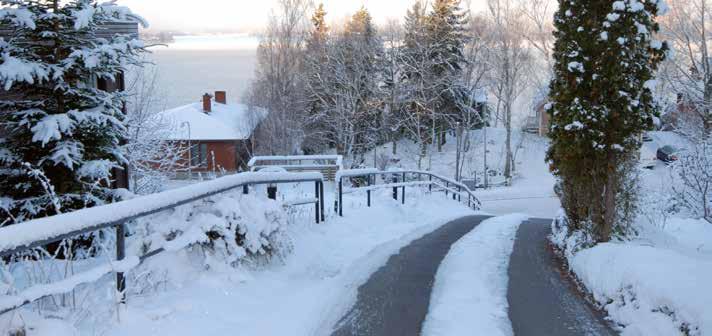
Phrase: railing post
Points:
(395, 189)
(321, 199)
(430, 186)
(272, 192)
(316, 205)
(245, 189)
(447, 186)
(341, 196)
(120, 255)
(454, 196)
(403, 191)
(368, 192)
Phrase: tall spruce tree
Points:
(447, 35)
(433, 76)
(365, 67)
(601, 101)
(60, 135)
(417, 115)
(317, 82)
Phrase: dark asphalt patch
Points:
(395, 299)
(541, 301)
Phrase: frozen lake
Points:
(194, 65)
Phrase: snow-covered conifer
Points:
(601, 101)
(60, 134)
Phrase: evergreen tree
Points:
(60, 135)
(343, 87)
(365, 65)
(434, 64)
(317, 85)
(417, 117)
(601, 101)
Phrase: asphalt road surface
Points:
(542, 301)
(394, 301)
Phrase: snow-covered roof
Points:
(224, 122)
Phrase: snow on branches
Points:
(601, 102)
(61, 133)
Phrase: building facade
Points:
(215, 137)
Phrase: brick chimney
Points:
(207, 103)
(221, 97)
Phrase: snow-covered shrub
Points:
(566, 240)
(694, 169)
(658, 204)
(383, 161)
(231, 228)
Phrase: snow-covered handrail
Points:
(458, 189)
(389, 185)
(42, 231)
(356, 172)
(9, 302)
(337, 159)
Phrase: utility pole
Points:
(486, 117)
(458, 151)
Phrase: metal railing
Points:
(328, 165)
(400, 180)
(41, 232)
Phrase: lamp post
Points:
(190, 151)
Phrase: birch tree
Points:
(510, 58)
(687, 29)
(278, 86)
(152, 159)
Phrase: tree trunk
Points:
(508, 143)
(441, 140)
(611, 191)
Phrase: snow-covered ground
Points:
(470, 291)
(532, 191)
(656, 284)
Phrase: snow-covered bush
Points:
(231, 228)
(568, 241)
(694, 169)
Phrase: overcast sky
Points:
(244, 14)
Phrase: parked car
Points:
(647, 137)
(668, 153)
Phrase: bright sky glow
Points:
(235, 15)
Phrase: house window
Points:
(199, 155)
